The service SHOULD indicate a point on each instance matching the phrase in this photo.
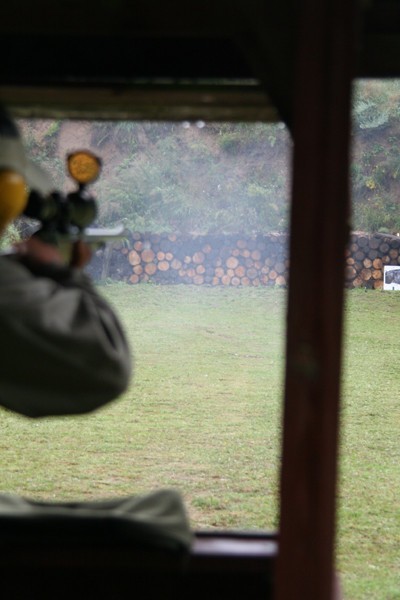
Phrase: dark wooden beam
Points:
(115, 44)
(166, 101)
(219, 566)
(319, 228)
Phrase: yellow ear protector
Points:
(13, 196)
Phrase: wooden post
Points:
(319, 229)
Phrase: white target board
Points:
(391, 278)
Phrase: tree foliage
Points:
(200, 179)
(375, 169)
(225, 177)
(9, 236)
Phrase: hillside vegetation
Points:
(375, 169)
(180, 177)
(223, 177)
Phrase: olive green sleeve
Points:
(64, 349)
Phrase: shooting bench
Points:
(218, 566)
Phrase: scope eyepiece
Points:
(41, 209)
(62, 213)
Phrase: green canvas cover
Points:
(156, 520)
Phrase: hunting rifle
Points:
(65, 218)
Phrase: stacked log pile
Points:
(214, 260)
(366, 257)
(233, 260)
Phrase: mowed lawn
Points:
(369, 490)
(203, 415)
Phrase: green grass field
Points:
(369, 502)
(203, 414)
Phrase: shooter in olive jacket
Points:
(63, 349)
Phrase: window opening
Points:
(200, 284)
(369, 485)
